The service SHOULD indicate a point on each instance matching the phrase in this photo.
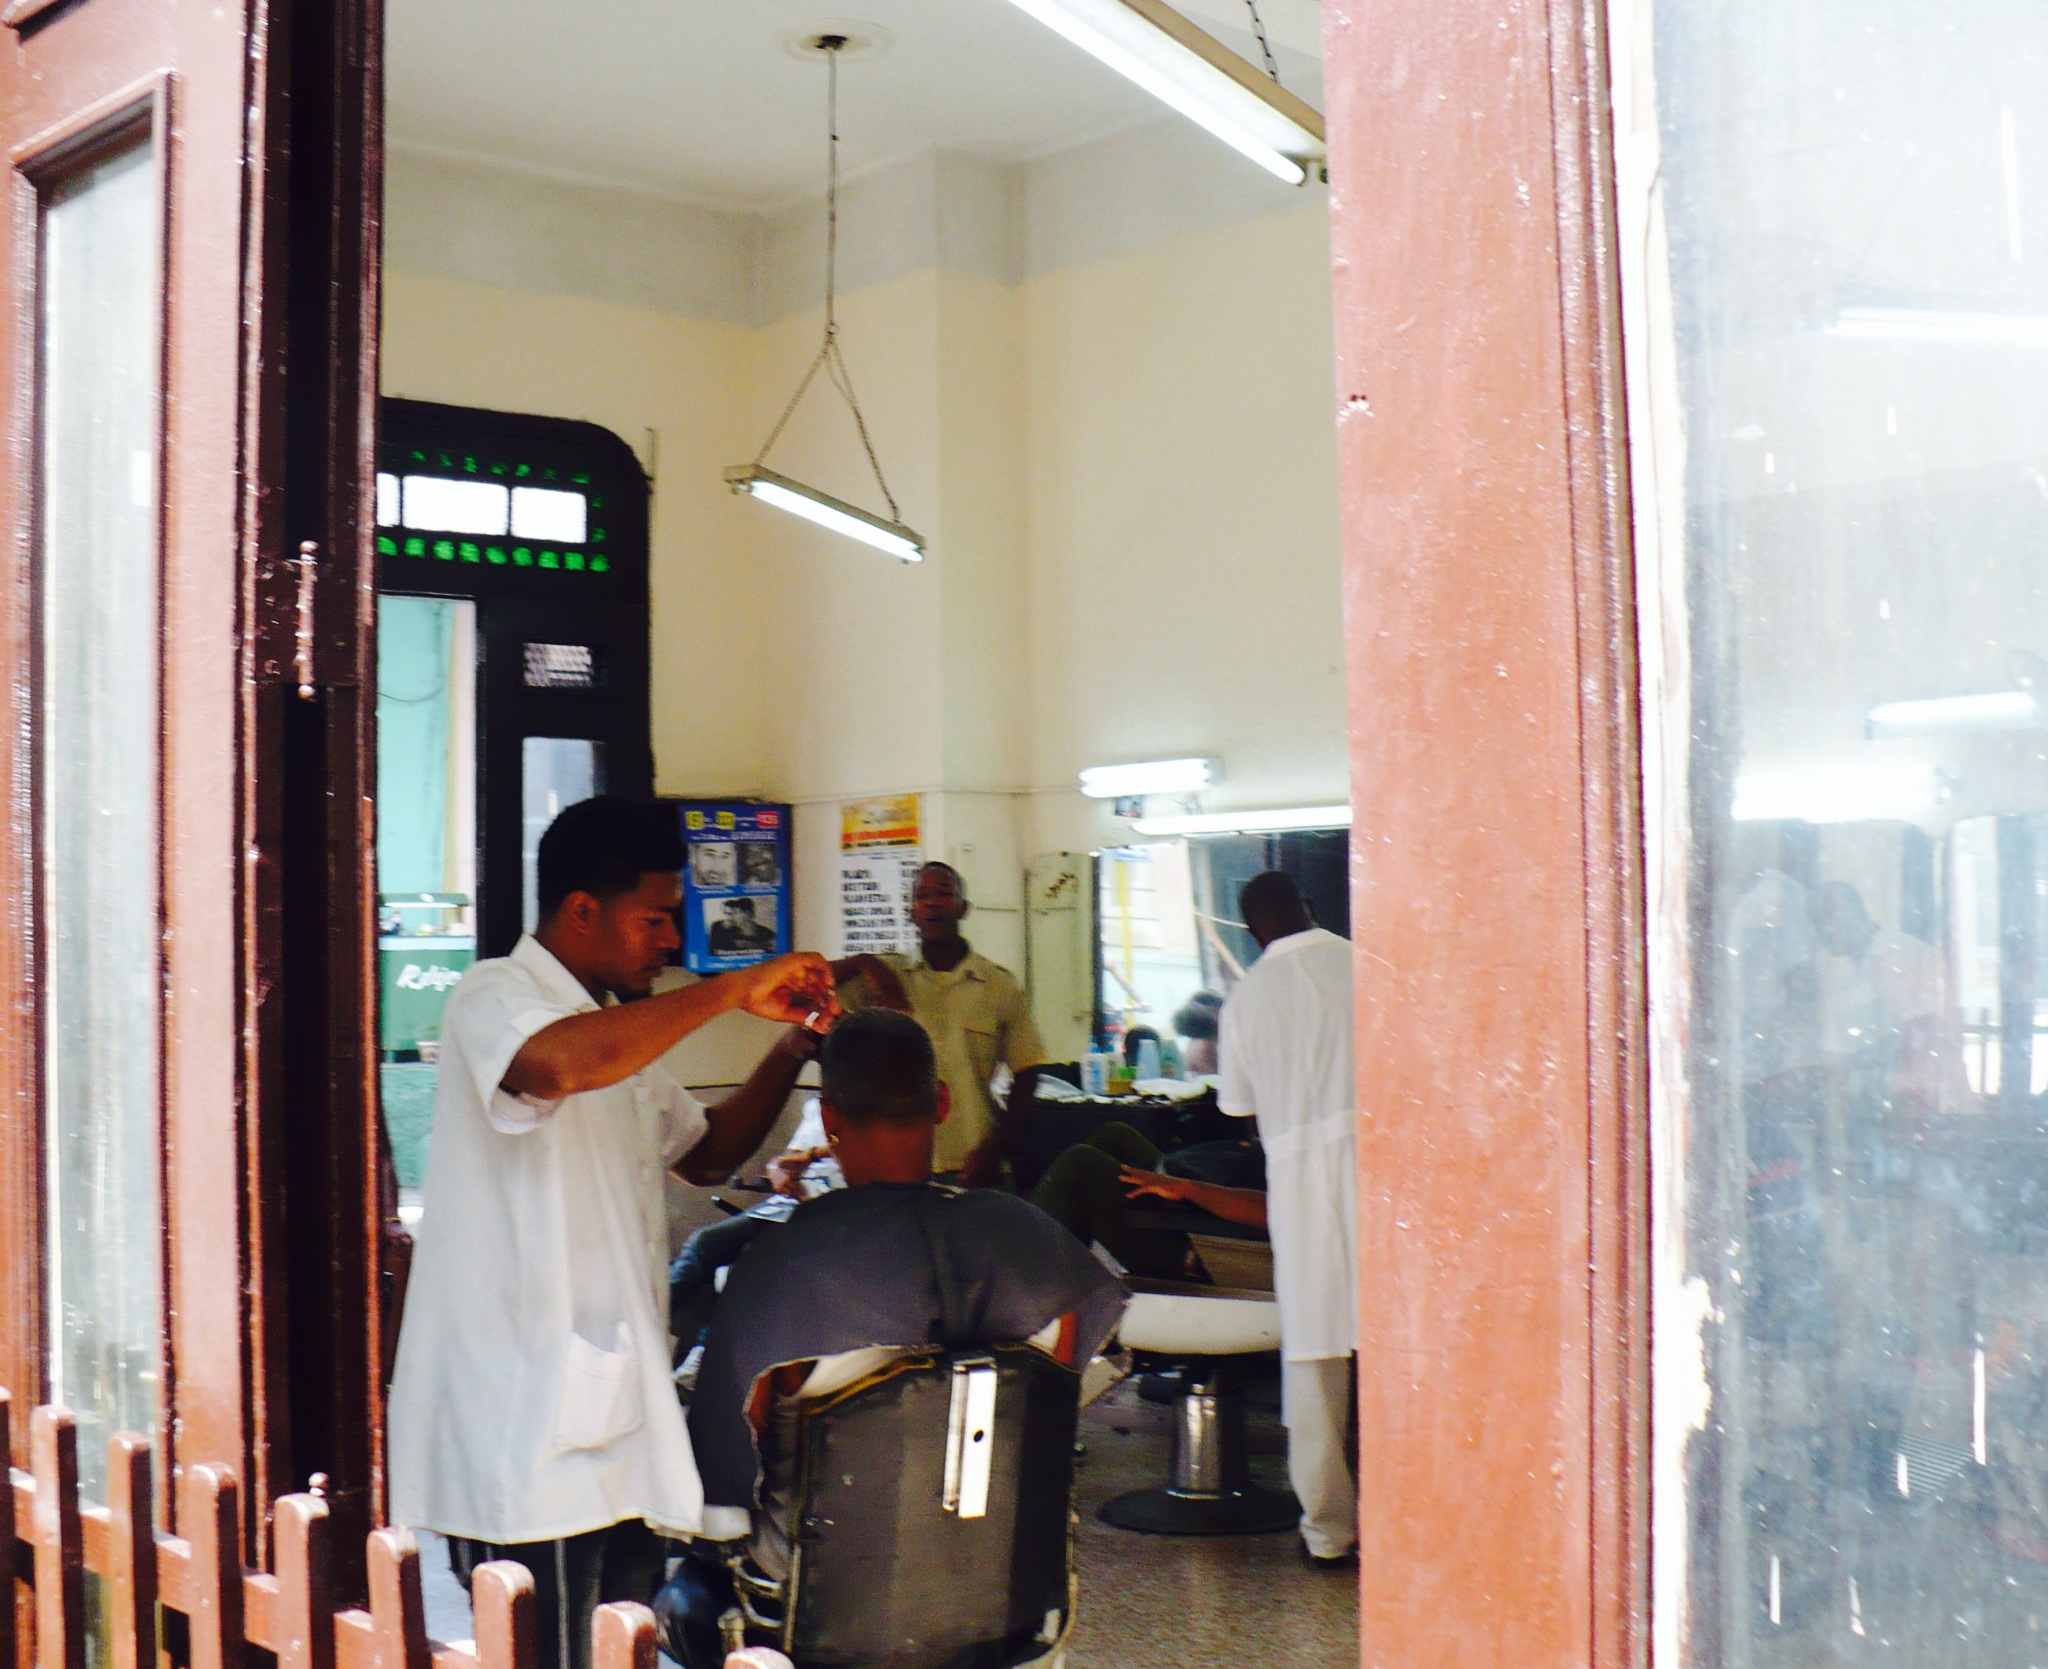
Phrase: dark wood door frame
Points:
(1497, 856)
(269, 115)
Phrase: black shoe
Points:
(1335, 1561)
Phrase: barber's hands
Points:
(791, 988)
(786, 1170)
(1154, 1182)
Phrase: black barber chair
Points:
(933, 1518)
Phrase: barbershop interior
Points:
(1543, 617)
(1068, 622)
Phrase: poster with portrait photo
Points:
(735, 908)
(760, 863)
(740, 926)
(714, 864)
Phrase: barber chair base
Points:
(1251, 1511)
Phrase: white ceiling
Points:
(703, 100)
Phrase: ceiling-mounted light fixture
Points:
(756, 479)
(1247, 822)
(1149, 776)
(1151, 44)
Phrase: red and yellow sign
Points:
(867, 824)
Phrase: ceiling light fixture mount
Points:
(884, 533)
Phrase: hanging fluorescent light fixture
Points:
(1149, 776)
(1152, 45)
(814, 506)
(1247, 822)
(756, 479)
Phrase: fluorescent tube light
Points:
(1150, 776)
(1247, 822)
(1152, 45)
(1922, 324)
(826, 511)
(1837, 794)
(1994, 710)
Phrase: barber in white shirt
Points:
(531, 1413)
(1286, 1057)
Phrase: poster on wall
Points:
(879, 853)
(735, 883)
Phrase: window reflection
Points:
(1855, 203)
(99, 715)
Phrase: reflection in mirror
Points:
(1856, 199)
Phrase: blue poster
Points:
(736, 884)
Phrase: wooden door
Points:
(188, 1221)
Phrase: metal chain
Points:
(1259, 29)
(829, 357)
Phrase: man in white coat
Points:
(531, 1413)
(1285, 1049)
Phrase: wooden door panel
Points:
(265, 118)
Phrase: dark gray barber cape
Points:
(893, 1264)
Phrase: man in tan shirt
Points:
(978, 1018)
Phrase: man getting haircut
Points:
(862, 1267)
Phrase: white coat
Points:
(531, 1398)
(1285, 1056)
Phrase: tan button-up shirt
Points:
(978, 1018)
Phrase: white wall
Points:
(1100, 387)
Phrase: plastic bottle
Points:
(1171, 1064)
(1148, 1058)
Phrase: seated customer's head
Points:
(609, 878)
(882, 1098)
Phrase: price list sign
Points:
(879, 855)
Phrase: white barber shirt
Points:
(531, 1398)
(1285, 1055)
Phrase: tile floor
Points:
(1196, 1602)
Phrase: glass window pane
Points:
(554, 771)
(436, 505)
(426, 853)
(99, 715)
(1853, 841)
(547, 513)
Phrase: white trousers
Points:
(1315, 1406)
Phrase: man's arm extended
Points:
(1246, 1206)
(593, 1051)
(741, 1122)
